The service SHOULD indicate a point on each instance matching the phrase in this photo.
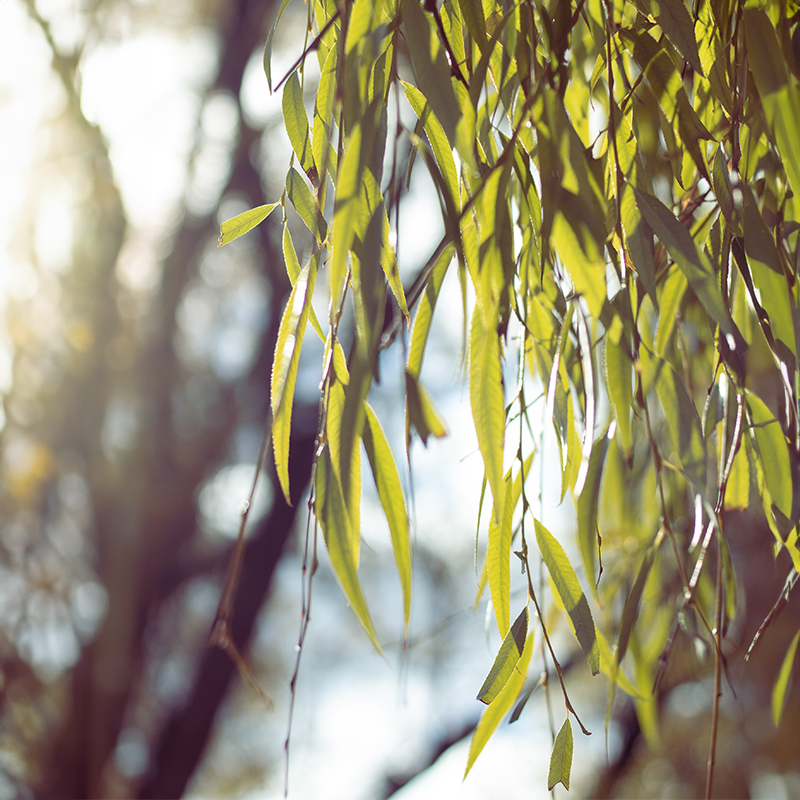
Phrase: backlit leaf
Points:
(498, 708)
(561, 757)
(499, 554)
(676, 23)
(284, 369)
(237, 226)
(305, 205)
(781, 686)
(506, 660)
(390, 492)
(569, 591)
(296, 122)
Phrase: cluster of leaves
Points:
(619, 182)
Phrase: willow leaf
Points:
(421, 413)
(506, 659)
(498, 708)
(296, 122)
(778, 95)
(561, 757)
(774, 453)
(390, 492)
(305, 205)
(569, 591)
(499, 554)
(284, 369)
(682, 420)
(586, 506)
(678, 26)
(781, 686)
(242, 223)
(332, 514)
(486, 396)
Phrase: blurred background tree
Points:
(135, 374)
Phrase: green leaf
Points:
(676, 23)
(284, 369)
(586, 505)
(421, 413)
(323, 109)
(506, 660)
(293, 270)
(430, 67)
(296, 122)
(304, 204)
(390, 492)
(269, 43)
(693, 263)
(682, 420)
(331, 512)
(497, 709)
(442, 151)
(778, 95)
(498, 557)
(779, 690)
(672, 291)
(618, 371)
(561, 757)
(488, 404)
(774, 452)
(345, 214)
(769, 279)
(569, 590)
(239, 225)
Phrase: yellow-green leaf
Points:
(506, 660)
(774, 453)
(569, 591)
(296, 122)
(778, 93)
(332, 514)
(497, 709)
(421, 413)
(390, 492)
(284, 369)
(781, 686)
(488, 404)
(242, 223)
(561, 757)
(677, 24)
(682, 420)
(618, 371)
(305, 205)
(498, 556)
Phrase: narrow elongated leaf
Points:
(769, 279)
(284, 369)
(431, 68)
(781, 686)
(442, 150)
(323, 109)
(345, 215)
(618, 371)
(293, 270)
(778, 96)
(586, 506)
(498, 708)
(296, 122)
(498, 557)
(269, 43)
(390, 492)
(305, 205)
(421, 413)
(677, 24)
(332, 514)
(672, 291)
(506, 659)
(488, 405)
(569, 590)
(682, 420)
(774, 453)
(692, 261)
(561, 757)
(242, 223)
(630, 610)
